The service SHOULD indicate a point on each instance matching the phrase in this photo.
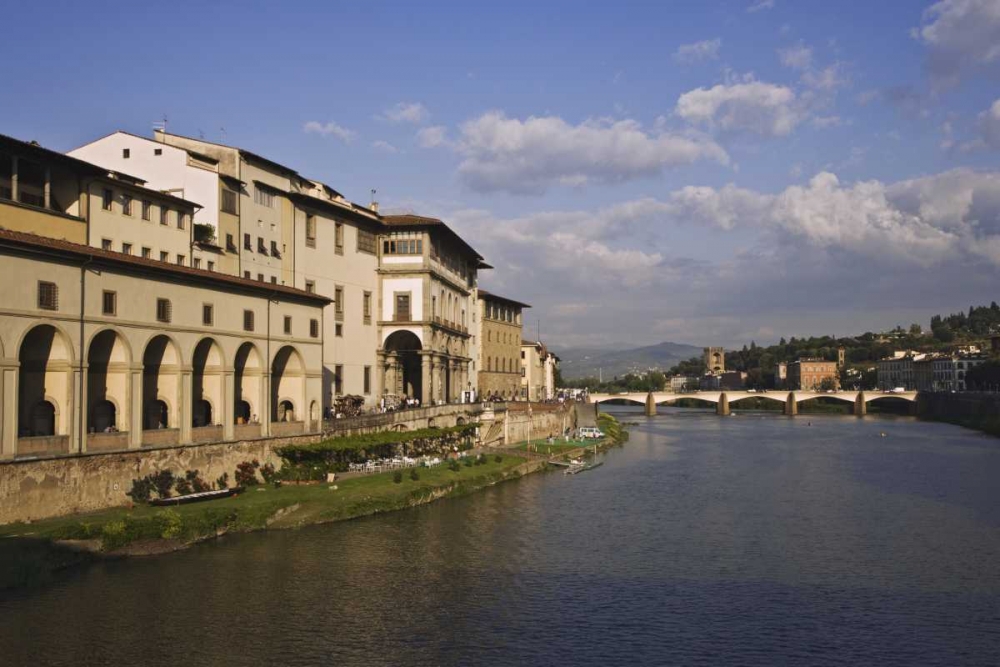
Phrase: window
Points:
(163, 310)
(127, 248)
(180, 260)
(228, 201)
(263, 196)
(402, 247)
(310, 286)
(207, 314)
(48, 296)
(338, 379)
(366, 308)
(248, 320)
(274, 280)
(274, 249)
(402, 307)
(338, 238)
(181, 219)
(127, 204)
(261, 248)
(230, 243)
(147, 253)
(105, 244)
(164, 256)
(434, 306)
(164, 213)
(211, 266)
(157, 151)
(247, 243)
(314, 328)
(260, 277)
(288, 325)
(109, 303)
(366, 241)
(246, 274)
(338, 303)
(196, 263)
(107, 199)
(310, 230)
(368, 380)
(147, 208)
(126, 153)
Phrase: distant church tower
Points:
(715, 359)
(841, 357)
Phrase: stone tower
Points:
(715, 360)
(841, 357)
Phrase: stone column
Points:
(228, 404)
(860, 407)
(722, 407)
(136, 408)
(8, 394)
(78, 417)
(650, 405)
(14, 178)
(426, 381)
(47, 190)
(264, 416)
(185, 409)
(791, 407)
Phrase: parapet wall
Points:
(40, 488)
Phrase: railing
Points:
(160, 437)
(41, 445)
(246, 431)
(104, 442)
(207, 434)
(286, 428)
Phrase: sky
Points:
(701, 172)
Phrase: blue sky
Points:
(705, 172)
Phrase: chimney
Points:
(374, 204)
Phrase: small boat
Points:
(578, 465)
(195, 497)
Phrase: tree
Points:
(916, 330)
(828, 384)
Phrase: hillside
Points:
(588, 362)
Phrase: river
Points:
(751, 540)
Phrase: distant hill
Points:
(583, 362)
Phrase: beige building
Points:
(810, 374)
(428, 278)
(103, 351)
(498, 363)
(538, 371)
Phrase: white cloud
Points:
(961, 36)
(796, 57)
(823, 122)
(827, 79)
(407, 112)
(751, 106)
(989, 125)
(384, 146)
(529, 156)
(330, 129)
(761, 5)
(432, 137)
(866, 97)
(704, 50)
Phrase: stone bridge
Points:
(724, 399)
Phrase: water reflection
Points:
(754, 540)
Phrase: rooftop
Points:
(411, 220)
(490, 296)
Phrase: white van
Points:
(590, 433)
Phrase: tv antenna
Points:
(222, 134)
(161, 124)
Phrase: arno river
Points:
(751, 540)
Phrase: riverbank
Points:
(33, 553)
(976, 411)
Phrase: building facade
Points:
(428, 276)
(715, 360)
(538, 371)
(811, 374)
(104, 351)
(498, 334)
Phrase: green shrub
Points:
(453, 465)
(163, 481)
(198, 485)
(467, 462)
(269, 474)
(182, 486)
(114, 535)
(169, 524)
(223, 481)
(397, 477)
(481, 459)
(246, 473)
(414, 475)
(142, 489)
(498, 458)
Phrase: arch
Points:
(408, 378)
(243, 412)
(161, 362)
(109, 359)
(45, 375)
(248, 375)
(287, 383)
(207, 363)
(313, 411)
(460, 421)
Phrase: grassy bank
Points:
(29, 553)
(988, 425)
